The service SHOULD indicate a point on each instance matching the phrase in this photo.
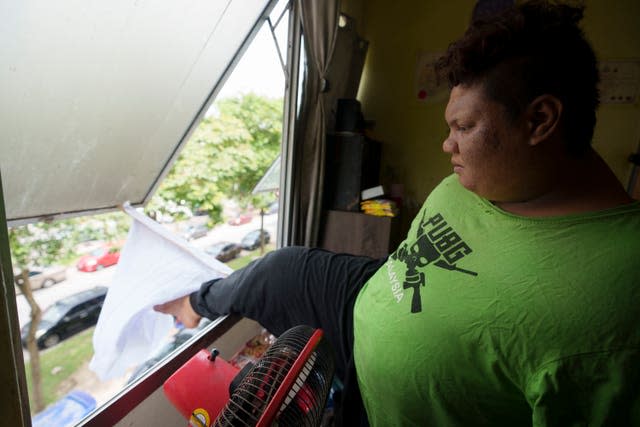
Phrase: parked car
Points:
(41, 277)
(67, 316)
(240, 219)
(272, 208)
(99, 258)
(252, 239)
(195, 231)
(224, 251)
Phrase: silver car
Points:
(41, 277)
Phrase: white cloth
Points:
(155, 266)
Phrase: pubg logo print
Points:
(436, 244)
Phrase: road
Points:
(235, 233)
(78, 281)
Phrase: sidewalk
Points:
(84, 379)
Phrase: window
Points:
(109, 227)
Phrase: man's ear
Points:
(543, 115)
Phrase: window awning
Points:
(98, 97)
(270, 181)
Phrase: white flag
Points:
(155, 266)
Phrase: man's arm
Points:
(285, 288)
(242, 292)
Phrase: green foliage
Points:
(107, 227)
(54, 243)
(40, 243)
(224, 159)
(59, 363)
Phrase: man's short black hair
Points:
(528, 50)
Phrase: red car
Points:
(99, 258)
(240, 219)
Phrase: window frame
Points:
(14, 396)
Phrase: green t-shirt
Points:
(484, 318)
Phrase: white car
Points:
(41, 277)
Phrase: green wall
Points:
(412, 131)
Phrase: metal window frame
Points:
(292, 88)
(14, 396)
(15, 401)
(130, 397)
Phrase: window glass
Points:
(74, 311)
(207, 199)
(54, 313)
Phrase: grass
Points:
(249, 256)
(63, 359)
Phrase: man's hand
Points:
(181, 309)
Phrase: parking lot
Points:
(77, 281)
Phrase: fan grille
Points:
(302, 402)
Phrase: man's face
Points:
(489, 151)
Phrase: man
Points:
(513, 299)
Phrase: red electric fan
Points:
(287, 386)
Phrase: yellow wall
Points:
(614, 31)
(412, 132)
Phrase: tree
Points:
(225, 158)
(43, 244)
(107, 227)
(52, 243)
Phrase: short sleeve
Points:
(594, 389)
